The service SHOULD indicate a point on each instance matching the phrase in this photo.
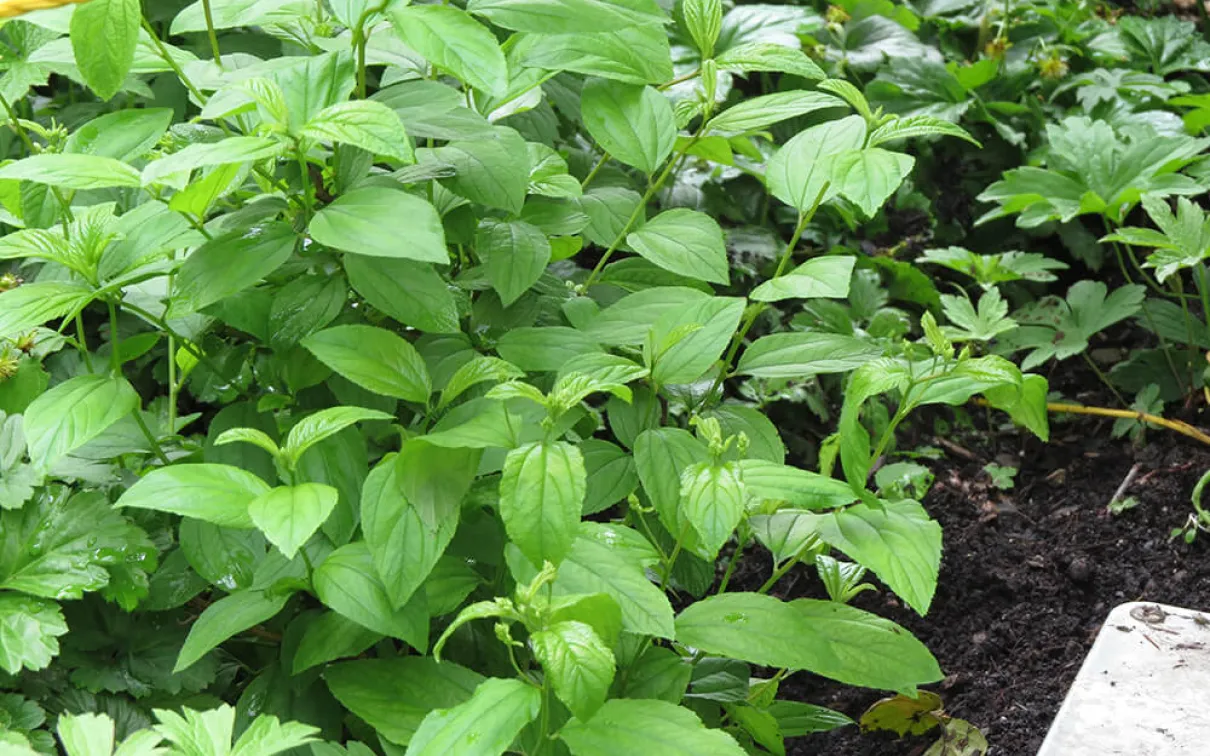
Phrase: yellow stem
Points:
(1179, 426)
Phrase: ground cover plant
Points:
(480, 378)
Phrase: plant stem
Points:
(308, 189)
(1185, 429)
(1104, 379)
(779, 573)
(83, 342)
(115, 360)
(731, 565)
(595, 170)
(16, 124)
(676, 551)
(210, 32)
(787, 254)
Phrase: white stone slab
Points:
(1144, 689)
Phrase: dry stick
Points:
(1130, 476)
(1179, 426)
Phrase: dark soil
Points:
(1027, 578)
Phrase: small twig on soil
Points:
(1179, 426)
(961, 451)
(1130, 476)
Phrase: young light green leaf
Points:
(869, 176)
(824, 637)
(348, 583)
(799, 173)
(798, 488)
(898, 541)
(917, 126)
(104, 35)
(704, 20)
(290, 515)
(369, 125)
(33, 304)
(484, 725)
(123, 135)
(759, 112)
(253, 436)
(712, 500)
(767, 56)
(236, 149)
(382, 222)
(73, 413)
(86, 734)
(231, 263)
(541, 495)
(685, 343)
(580, 665)
(453, 41)
(634, 124)
(515, 255)
(327, 422)
(29, 631)
(72, 171)
(821, 278)
(225, 618)
(647, 726)
(374, 358)
(478, 370)
(219, 494)
(685, 242)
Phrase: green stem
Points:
(779, 573)
(1204, 291)
(171, 63)
(676, 551)
(83, 343)
(1105, 379)
(754, 312)
(16, 124)
(544, 726)
(115, 359)
(595, 170)
(735, 560)
(305, 174)
(210, 32)
(188, 345)
(1190, 338)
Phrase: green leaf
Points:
(374, 358)
(72, 171)
(254, 436)
(515, 255)
(224, 619)
(86, 734)
(331, 636)
(634, 124)
(685, 242)
(73, 413)
(29, 628)
(662, 455)
(33, 304)
(218, 494)
(348, 583)
(562, 16)
(544, 349)
(798, 488)
(638, 55)
(766, 56)
(411, 292)
(704, 20)
(327, 422)
(917, 126)
(600, 562)
(369, 125)
(124, 135)
(484, 725)
(541, 496)
(478, 370)
(685, 343)
(800, 172)
(612, 475)
(897, 540)
(803, 354)
(759, 112)
(712, 500)
(827, 638)
(404, 545)
(394, 695)
(290, 515)
(453, 41)
(236, 149)
(821, 278)
(869, 176)
(579, 664)
(492, 172)
(630, 726)
(226, 14)
(382, 223)
(229, 264)
(104, 35)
